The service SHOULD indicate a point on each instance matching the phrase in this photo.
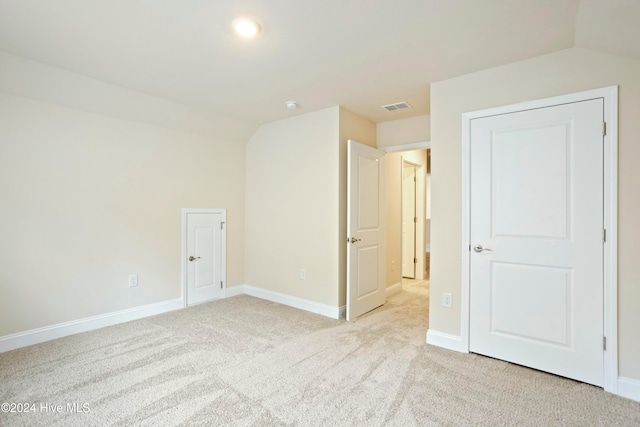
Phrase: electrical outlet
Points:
(393, 266)
(303, 274)
(447, 299)
(133, 280)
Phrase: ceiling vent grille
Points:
(397, 106)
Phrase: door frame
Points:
(223, 243)
(610, 210)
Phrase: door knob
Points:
(479, 248)
(353, 240)
(193, 258)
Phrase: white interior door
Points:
(409, 219)
(536, 263)
(366, 286)
(204, 256)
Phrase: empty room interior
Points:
(250, 212)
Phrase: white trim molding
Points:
(610, 205)
(233, 291)
(629, 388)
(302, 304)
(406, 147)
(394, 289)
(48, 333)
(444, 340)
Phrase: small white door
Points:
(409, 220)
(366, 286)
(536, 239)
(204, 256)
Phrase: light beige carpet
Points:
(245, 361)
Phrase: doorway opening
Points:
(416, 218)
(408, 224)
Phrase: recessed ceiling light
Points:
(246, 28)
(292, 105)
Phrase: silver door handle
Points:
(353, 240)
(479, 248)
(193, 258)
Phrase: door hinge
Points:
(415, 219)
(220, 284)
(604, 343)
(604, 128)
(604, 235)
(415, 260)
(221, 225)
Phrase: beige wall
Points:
(86, 200)
(292, 206)
(35, 80)
(560, 73)
(404, 131)
(296, 199)
(359, 129)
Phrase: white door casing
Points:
(366, 287)
(409, 220)
(204, 254)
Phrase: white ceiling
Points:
(360, 54)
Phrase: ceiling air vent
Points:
(397, 106)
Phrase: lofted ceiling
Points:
(360, 54)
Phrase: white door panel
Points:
(366, 288)
(205, 256)
(537, 205)
(204, 246)
(530, 169)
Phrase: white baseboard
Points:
(47, 333)
(629, 388)
(448, 341)
(303, 304)
(36, 336)
(394, 289)
(233, 291)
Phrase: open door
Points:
(365, 229)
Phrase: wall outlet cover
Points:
(447, 299)
(133, 280)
